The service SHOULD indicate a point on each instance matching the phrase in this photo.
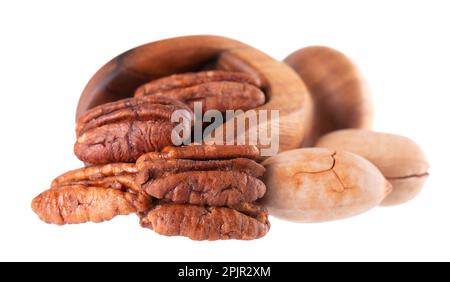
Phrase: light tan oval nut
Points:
(190, 79)
(400, 160)
(317, 184)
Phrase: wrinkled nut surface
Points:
(79, 204)
(177, 81)
(124, 130)
(96, 194)
(339, 92)
(318, 184)
(202, 152)
(244, 222)
(400, 160)
(217, 90)
(202, 180)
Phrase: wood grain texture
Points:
(339, 92)
(284, 90)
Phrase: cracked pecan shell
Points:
(122, 131)
(247, 222)
(320, 184)
(96, 194)
(217, 90)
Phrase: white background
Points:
(50, 49)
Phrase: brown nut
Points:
(400, 160)
(124, 130)
(79, 204)
(202, 152)
(178, 81)
(318, 184)
(245, 222)
(204, 180)
(339, 92)
(96, 194)
(217, 90)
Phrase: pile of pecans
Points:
(198, 191)
(209, 192)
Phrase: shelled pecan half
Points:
(193, 174)
(243, 222)
(96, 194)
(217, 90)
(121, 131)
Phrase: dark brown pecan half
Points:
(217, 90)
(193, 78)
(208, 223)
(100, 174)
(202, 152)
(122, 131)
(214, 182)
(94, 193)
(220, 96)
(162, 167)
(213, 188)
(192, 174)
(79, 204)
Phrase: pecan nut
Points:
(217, 90)
(194, 78)
(202, 152)
(246, 222)
(122, 131)
(94, 194)
(204, 181)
